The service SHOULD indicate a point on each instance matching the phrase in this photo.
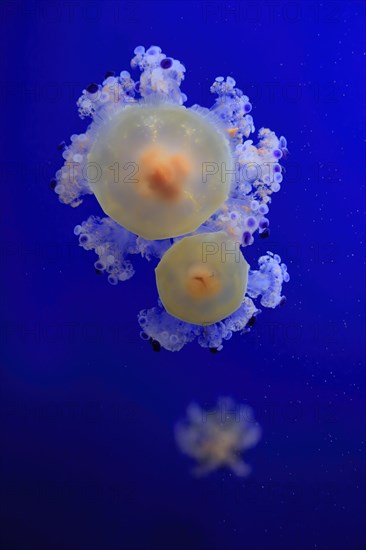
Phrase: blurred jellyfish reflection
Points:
(216, 438)
(172, 181)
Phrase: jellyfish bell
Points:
(202, 279)
(162, 169)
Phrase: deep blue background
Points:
(89, 460)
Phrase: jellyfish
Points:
(202, 279)
(174, 182)
(216, 438)
(157, 149)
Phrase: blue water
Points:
(89, 460)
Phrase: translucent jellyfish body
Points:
(149, 161)
(215, 438)
(168, 176)
(202, 279)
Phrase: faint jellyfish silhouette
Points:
(216, 438)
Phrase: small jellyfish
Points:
(203, 278)
(264, 284)
(215, 438)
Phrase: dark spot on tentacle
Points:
(92, 88)
(264, 223)
(264, 234)
(155, 345)
(166, 63)
(246, 237)
(252, 321)
(285, 153)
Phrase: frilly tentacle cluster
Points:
(112, 243)
(160, 74)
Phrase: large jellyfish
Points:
(181, 185)
(216, 438)
(149, 163)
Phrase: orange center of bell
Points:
(162, 175)
(202, 282)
